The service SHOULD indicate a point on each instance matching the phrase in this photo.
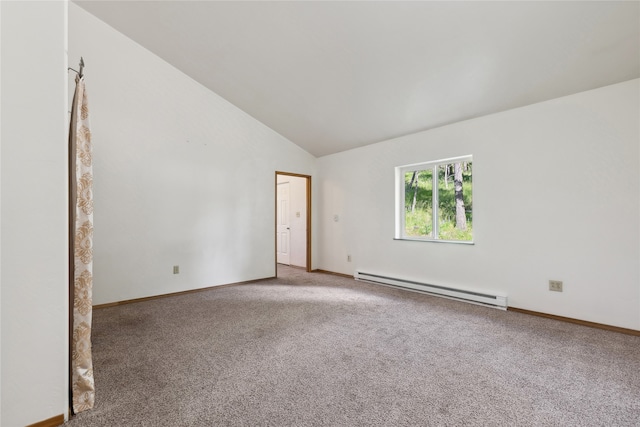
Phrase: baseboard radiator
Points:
(483, 298)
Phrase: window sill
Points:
(457, 242)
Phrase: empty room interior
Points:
(328, 159)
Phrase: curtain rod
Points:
(79, 73)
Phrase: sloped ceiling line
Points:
(332, 76)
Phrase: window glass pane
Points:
(418, 210)
(455, 219)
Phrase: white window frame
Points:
(400, 172)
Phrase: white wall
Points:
(34, 308)
(556, 196)
(181, 176)
(297, 218)
(0, 218)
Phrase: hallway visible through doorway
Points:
(293, 220)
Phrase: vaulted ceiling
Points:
(335, 75)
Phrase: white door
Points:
(283, 226)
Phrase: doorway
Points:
(293, 220)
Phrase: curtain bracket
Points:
(79, 73)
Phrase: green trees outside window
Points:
(437, 200)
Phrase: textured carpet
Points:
(321, 350)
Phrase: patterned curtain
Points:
(80, 251)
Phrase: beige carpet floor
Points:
(321, 350)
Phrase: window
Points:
(434, 201)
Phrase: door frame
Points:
(275, 221)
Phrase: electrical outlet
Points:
(555, 285)
(176, 269)
(348, 258)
